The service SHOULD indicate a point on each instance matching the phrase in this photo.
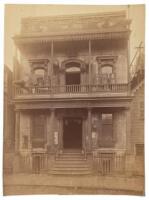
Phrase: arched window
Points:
(39, 76)
(72, 73)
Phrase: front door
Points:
(72, 133)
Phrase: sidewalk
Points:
(48, 184)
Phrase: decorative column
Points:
(89, 71)
(16, 161)
(52, 124)
(130, 165)
(62, 81)
(129, 145)
(51, 63)
(95, 130)
(89, 135)
(17, 130)
(60, 132)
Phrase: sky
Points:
(14, 13)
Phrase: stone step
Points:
(71, 167)
(71, 155)
(59, 160)
(59, 172)
(70, 163)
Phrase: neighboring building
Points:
(73, 97)
(8, 121)
(137, 112)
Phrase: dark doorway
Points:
(72, 78)
(72, 133)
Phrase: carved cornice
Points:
(106, 59)
(39, 64)
(57, 24)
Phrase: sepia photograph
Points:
(74, 99)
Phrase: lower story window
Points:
(38, 133)
(106, 139)
(139, 149)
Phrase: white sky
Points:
(14, 13)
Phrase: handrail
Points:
(72, 89)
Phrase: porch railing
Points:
(109, 162)
(72, 89)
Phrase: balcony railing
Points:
(72, 89)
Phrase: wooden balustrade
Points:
(107, 162)
(74, 89)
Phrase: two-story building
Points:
(72, 95)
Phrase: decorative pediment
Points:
(69, 63)
(106, 60)
(39, 64)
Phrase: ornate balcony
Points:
(67, 90)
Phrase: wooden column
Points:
(52, 124)
(52, 53)
(89, 135)
(60, 132)
(17, 130)
(16, 160)
(89, 71)
(129, 145)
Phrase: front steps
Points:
(71, 162)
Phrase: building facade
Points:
(72, 95)
(9, 128)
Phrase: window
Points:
(107, 74)
(39, 74)
(38, 134)
(107, 130)
(141, 110)
(25, 142)
(139, 149)
(106, 69)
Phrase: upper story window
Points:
(39, 68)
(106, 69)
(72, 73)
(39, 76)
